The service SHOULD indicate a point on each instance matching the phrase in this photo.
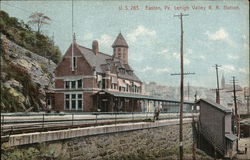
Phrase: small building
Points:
(215, 130)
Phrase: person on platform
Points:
(245, 148)
(157, 113)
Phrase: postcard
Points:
(70, 68)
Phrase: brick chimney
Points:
(95, 47)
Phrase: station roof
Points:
(145, 97)
(216, 105)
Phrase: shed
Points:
(215, 127)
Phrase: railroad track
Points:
(28, 124)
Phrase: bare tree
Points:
(39, 19)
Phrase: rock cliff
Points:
(25, 78)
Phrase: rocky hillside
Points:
(25, 78)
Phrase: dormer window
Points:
(122, 70)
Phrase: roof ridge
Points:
(217, 105)
(92, 50)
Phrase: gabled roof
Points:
(94, 60)
(216, 105)
(103, 62)
(120, 41)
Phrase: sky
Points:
(216, 35)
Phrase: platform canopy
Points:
(141, 96)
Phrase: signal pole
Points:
(181, 87)
(218, 87)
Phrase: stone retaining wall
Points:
(151, 143)
(154, 142)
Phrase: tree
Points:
(39, 19)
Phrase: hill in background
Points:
(226, 97)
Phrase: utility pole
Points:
(188, 90)
(218, 87)
(237, 118)
(194, 130)
(181, 87)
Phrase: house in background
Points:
(215, 130)
(89, 80)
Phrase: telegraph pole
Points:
(236, 114)
(237, 118)
(194, 130)
(181, 87)
(218, 87)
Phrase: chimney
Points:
(95, 47)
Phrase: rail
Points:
(22, 122)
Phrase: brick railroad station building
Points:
(89, 80)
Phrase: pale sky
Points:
(211, 36)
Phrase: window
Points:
(67, 84)
(79, 96)
(67, 99)
(73, 101)
(79, 104)
(74, 62)
(103, 84)
(113, 86)
(48, 102)
(79, 101)
(73, 84)
(67, 96)
(122, 70)
(73, 104)
(79, 83)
